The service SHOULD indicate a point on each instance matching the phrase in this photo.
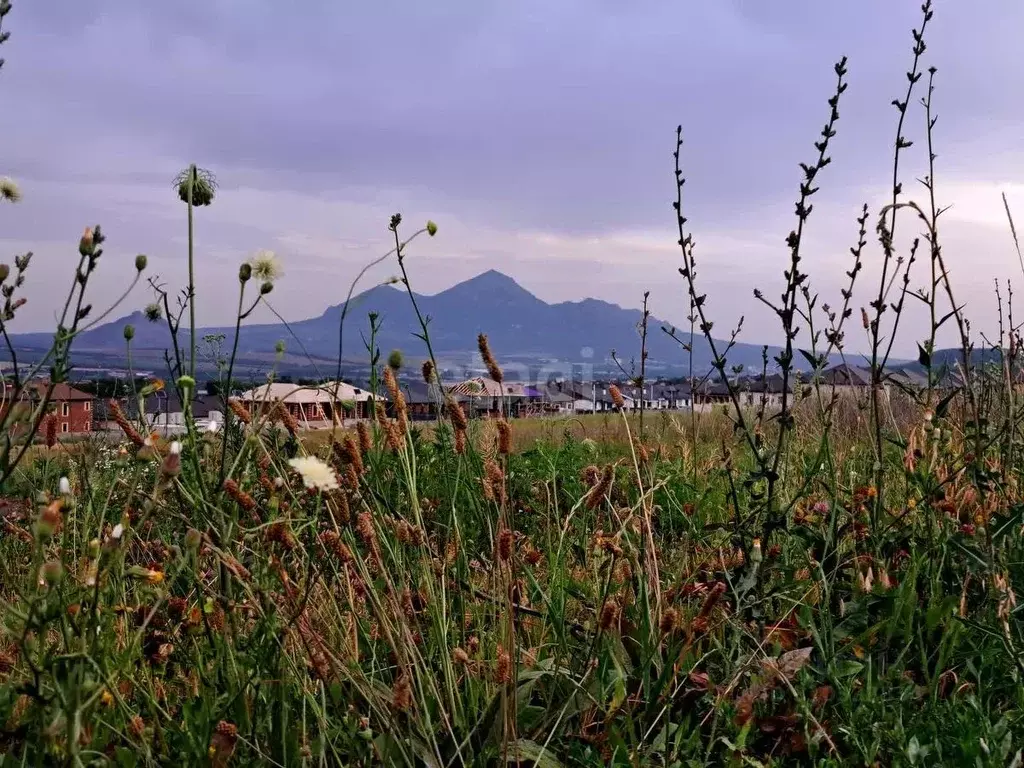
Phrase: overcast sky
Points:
(537, 134)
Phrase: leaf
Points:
(923, 356)
(943, 406)
(848, 668)
(814, 362)
(524, 750)
(791, 662)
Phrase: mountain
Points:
(520, 327)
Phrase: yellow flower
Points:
(107, 698)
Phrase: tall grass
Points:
(831, 582)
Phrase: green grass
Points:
(427, 615)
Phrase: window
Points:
(65, 409)
(63, 426)
(88, 405)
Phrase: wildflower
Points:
(129, 332)
(332, 543)
(266, 267)
(610, 614)
(402, 694)
(50, 430)
(503, 667)
(352, 454)
(65, 486)
(107, 698)
(51, 573)
(140, 262)
(315, 473)
(504, 437)
(505, 544)
(153, 312)
(175, 448)
(282, 414)
(126, 426)
(397, 398)
(395, 359)
(212, 427)
(146, 574)
(493, 369)
(9, 190)
(431, 228)
(365, 441)
(244, 500)
(117, 532)
(137, 726)
(223, 741)
(600, 490)
(616, 394)
(240, 411)
(457, 415)
(494, 482)
(428, 371)
(670, 621)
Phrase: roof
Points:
(845, 374)
(342, 390)
(483, 387)
(61, 391)
(169, 402)
(296, 393)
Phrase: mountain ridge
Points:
(519, 325)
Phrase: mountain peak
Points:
(492, 278)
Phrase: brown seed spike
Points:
(493, 369)
(365, 442)
(599, 491)
(504, 437)
(616, 395)
(505, 543)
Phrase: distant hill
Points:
(520, 327)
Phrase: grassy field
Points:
(832, 582)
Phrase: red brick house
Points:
(71, 407)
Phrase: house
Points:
(711, 392)
(673, 397)
(847, 377)
(758, 391)
(425, 401)
(486, 397)
(165, 414)
(311, 405)
(72, 408)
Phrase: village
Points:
(316, 406)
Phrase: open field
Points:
(832, 581)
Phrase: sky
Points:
(538, 135)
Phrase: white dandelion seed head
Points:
(266, 267)
(118, 531)
(65, 486)
(175, 448)
(212, 427)
(315, 474)
(9, 190)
